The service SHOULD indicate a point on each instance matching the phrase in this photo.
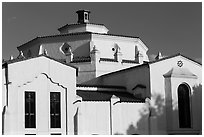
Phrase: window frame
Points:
(54, 115)
(30, 114)
(86, 16)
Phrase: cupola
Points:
(83, 25)
(83, 16)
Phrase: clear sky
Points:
(167, 27)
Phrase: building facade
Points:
(85, 81)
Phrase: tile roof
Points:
(106, 96)
(129, 61)
(23, 59)
(75, 24)
(38, 39)
(108, 60)
(102, 86)
(81, 59)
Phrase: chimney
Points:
(69, 56)
(95, 54)
(118, 56)
(83, 16)
(20, 56)
(139, 57)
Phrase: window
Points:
(55, 115)
(86, 16)
(184, 106)
(30, 118)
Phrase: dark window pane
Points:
(30, 118)
(55, 133)
(55, 110)
(184, 106)
(86, 16)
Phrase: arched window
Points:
(184, 106)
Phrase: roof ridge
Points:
(24, 59)
(178, 54)
(101, 86)
(77, 33)
(73, 24)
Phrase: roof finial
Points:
(11, 57)
(21, 55)
(45, 52)
(41, 50)
(159, 56)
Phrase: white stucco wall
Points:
(3, 88)
(105, 43)
(128, 78)
(86, 71)
(129, 118)
(166, 89)
(94, 118)
(27, 76)
(98, 117)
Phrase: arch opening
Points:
(184, 106)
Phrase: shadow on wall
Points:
(197, 100)
(157, 115)
(76, 122)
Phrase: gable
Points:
(173, 56)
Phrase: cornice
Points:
(114, 37)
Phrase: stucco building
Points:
(87, 81)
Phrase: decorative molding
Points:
(30, 81)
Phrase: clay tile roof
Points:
(22, 59)
(129, 61)
(106, 96)
(108, 60)
(75, 24)
(102, 86)
(81, 59)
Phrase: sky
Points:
(170, 28)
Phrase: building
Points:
(87, 81)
